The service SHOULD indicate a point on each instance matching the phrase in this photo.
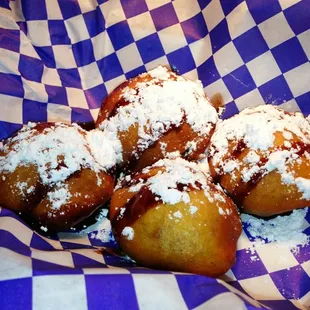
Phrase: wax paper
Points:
(60, 59)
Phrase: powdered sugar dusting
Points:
(21, 186)
(173, 182)
(57, 151)
(59, 196)
(178, 214)
(256, 129)
(159, 104)
(284, 231)
(177, 171)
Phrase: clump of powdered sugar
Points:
(128, 233)
(284, 231)
(256, 129)
(193, 209)
(43, 228)
(105, 147)
(160, 72)
(160, 104)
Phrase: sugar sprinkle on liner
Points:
(276, 230)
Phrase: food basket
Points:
(60, 59)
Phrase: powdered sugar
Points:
(58, 151)
(121, 213)
(158, 105)
(252, 158)
(104, 235)
(30, 189)
(160, 73)
(128, 233)
(163, 147)
(193, 210)
(43, 228)
(177, 171)
(178, 214)
(256, 129)
(173, 182)
(191, 146)
(284, 231)
(230, 165)
(59, 196)
(221, 211)
(106, 148)
(303, 186)
(21, 186)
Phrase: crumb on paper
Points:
(104, 235)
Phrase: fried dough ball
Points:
(52, 173)
(157, 113)
(261, 157)
(171, 216)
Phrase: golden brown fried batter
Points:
(48, 173)
(157, 113)
(171, 216)
(261, 158)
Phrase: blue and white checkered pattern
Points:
(59, 59)
(80, 272)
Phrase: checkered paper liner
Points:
(59, 59)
